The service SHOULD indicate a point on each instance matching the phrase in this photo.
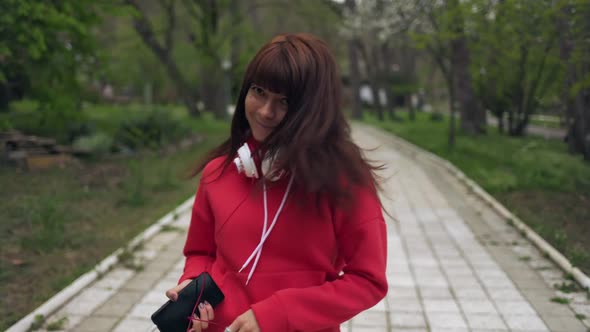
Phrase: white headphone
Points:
(246, 164)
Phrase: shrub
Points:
(96, 144)
(150, 129)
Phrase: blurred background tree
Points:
(508, 58)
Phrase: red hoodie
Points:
(297, 284)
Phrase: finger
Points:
(210, 311)
(196, 325)
(172, 293)
(235, 326)
(204, 316)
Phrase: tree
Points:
(44, 47)
(473, 117)
(353, 65)
(164, 50)
(574, 30)
(515, 64)
(374, 27)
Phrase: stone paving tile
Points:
(440, 306)
(564, 324)
(67, 321)
(122, 301)
(435, 293)
(98, 324)
(515, 308)
(133, 324)
(116, 278)
(485, 321)
(372, 318)
(87, 301)
(477, 306)
(402, 293)
(407, 319)
(470, 293)
(405, 305)
(445, 320)
(525, 323)
(449, 268)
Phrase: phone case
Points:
(173, 316)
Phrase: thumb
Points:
(172, 293)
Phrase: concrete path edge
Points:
(58, 300)
(530, 234)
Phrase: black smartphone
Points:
(174, 316)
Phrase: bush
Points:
(436, 117)
(151, 129)
(60, 121)
(96, 144)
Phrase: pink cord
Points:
(190, 318)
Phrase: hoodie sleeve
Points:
(199, 248)
(362, 241)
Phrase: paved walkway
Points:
(453, 265)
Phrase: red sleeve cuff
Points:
(194, 266)
(271, 315)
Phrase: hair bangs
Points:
(275, 71)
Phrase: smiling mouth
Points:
(265, 126)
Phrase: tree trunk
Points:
(212, 90)
(355, 80)
(472, 115)
(143, 27)
(354, 74)
(411, 109)
(386, 73)
(578, 106)
(372, 70)
(501, 123)
(452, 106)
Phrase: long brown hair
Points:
(313, 140)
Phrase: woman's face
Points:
(264, 111)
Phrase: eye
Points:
(258, 90)
(284, 102)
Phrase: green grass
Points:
(537, 179)
(58, 223)
(549, 123)
(560, 300)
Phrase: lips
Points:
(267, 127)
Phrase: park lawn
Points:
(57, 224)
(537, 179)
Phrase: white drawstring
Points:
(265, 233)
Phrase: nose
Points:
(267, 110)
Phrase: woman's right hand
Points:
(172, 293)
(205, 309)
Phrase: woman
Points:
(286, 219)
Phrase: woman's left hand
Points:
(246, 322)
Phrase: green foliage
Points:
(51, 119)
(57, 325)
(96, 144)
(37, 323)
(515, 60)
(44, 46)
(150, 129)
(134, 186)
(165, 179)
(567, 287)
(46, 221)
(560, 300)
(499, 163)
